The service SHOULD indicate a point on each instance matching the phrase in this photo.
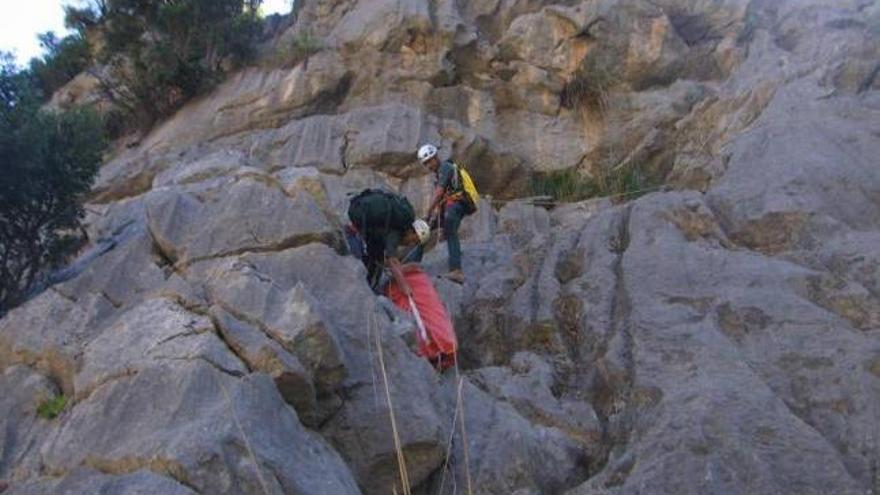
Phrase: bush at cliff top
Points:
(48, 162)
(160, 53)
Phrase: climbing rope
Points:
(459, 411)
(460, 408)
(372, 360)
(549, 201)
(372, 330)
(449, 452)
(401, 460)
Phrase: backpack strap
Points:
(456, 189)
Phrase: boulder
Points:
(545, 143)
(505, 453)
(21, 430)
(50, 331)
(385, 138)
(85, 480)
(527, 386)
(251, 214)
(155, 331)
(713, 340)
(264, 355)
(325, 296)
(317, 141)
(213, 165)
(292, 318)
(256, 98)
(202, 427)
(128, 175)
(362, 430)
(124, 274)
(383, 25)
(549, 39)
(784, 189)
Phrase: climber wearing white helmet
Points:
(381, 222)
(449, 205)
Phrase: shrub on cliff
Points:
(48, 162)
(617, 184)
(159, 54)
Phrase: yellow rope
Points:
(401, 461)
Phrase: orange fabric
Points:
(442, 344)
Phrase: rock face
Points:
(721, 335)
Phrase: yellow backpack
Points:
(466, 184)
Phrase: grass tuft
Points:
(591, 85)
(568, 186)
(51, 407)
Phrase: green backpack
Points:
(398, 211)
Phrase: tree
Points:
(86, 17)
(64, 59)
(47, 163)
(161, 53)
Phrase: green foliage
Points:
(48, 162)
(116, 123)
(64, 59)
(83, 18)
(568, 186)
(162, 53)
(51, 407)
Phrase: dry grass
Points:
(568, 186)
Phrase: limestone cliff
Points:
(721, 335)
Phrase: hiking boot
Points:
(456, 276)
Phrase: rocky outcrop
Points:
(205, 429)
(719, 334)
(92, 481)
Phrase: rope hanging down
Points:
(372, 330)
(459, 411)
(401, 460)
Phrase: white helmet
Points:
(426, 152)
(422, 230)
